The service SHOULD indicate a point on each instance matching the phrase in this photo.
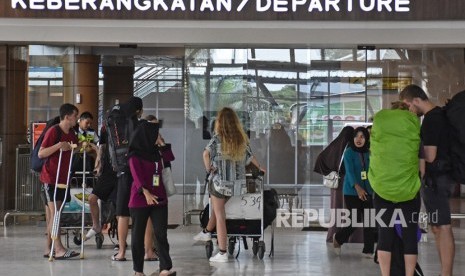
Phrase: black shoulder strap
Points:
(59, 133)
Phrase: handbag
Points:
(168, 181)
(331, 180)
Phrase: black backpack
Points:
(119, 127)
(36, 162)
(454, 111)
(270, 206)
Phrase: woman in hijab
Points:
(357, 191)
(328, 161)
(148, 196)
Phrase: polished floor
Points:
(296, 253)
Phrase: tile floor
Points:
(296, 253)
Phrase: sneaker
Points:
(91, 233)
(202, 236)
(220, 258)
(336, 246)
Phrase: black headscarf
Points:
(366, 134)
(143, 142)
(329, 159)
(131, 106)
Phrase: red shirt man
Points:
(49, 169)
(50, 149)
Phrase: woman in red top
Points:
(148, 196)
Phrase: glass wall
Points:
(294, 102)
(45, 93)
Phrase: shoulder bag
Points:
(332, 179)
(166, 173)
(168, 181)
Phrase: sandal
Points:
(68, 254)
(114, 258)
(153, 259)
(47, 255)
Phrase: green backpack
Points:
(394, 147)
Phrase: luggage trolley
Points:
(76, 216)
(244, 216)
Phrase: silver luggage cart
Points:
(72, 220)
(244, 217)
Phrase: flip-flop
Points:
(68, 254)
(114, 258)
(117, 247)
(153, 259)
(46, 255)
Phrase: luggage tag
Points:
(364, 175)
(156, 177)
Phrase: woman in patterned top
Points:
(225, 156)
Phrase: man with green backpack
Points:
(393, 174)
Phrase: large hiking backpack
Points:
(454, 110)
(36, 162)
(119, 127)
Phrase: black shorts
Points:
(387, 235)
(43, 196)
(123, 194)
(47, 192)
(436, 193)
(105, 188)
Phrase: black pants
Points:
(343, 235)
(386, 235)
(123, 193)
(159, 216)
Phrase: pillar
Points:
(81, 83)
(118, 84)
(13, 125)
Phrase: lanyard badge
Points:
(363, 175)
(156, 180)
(156, 177)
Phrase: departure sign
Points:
(227, 10)
(281, 6)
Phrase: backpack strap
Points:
(59, 133)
